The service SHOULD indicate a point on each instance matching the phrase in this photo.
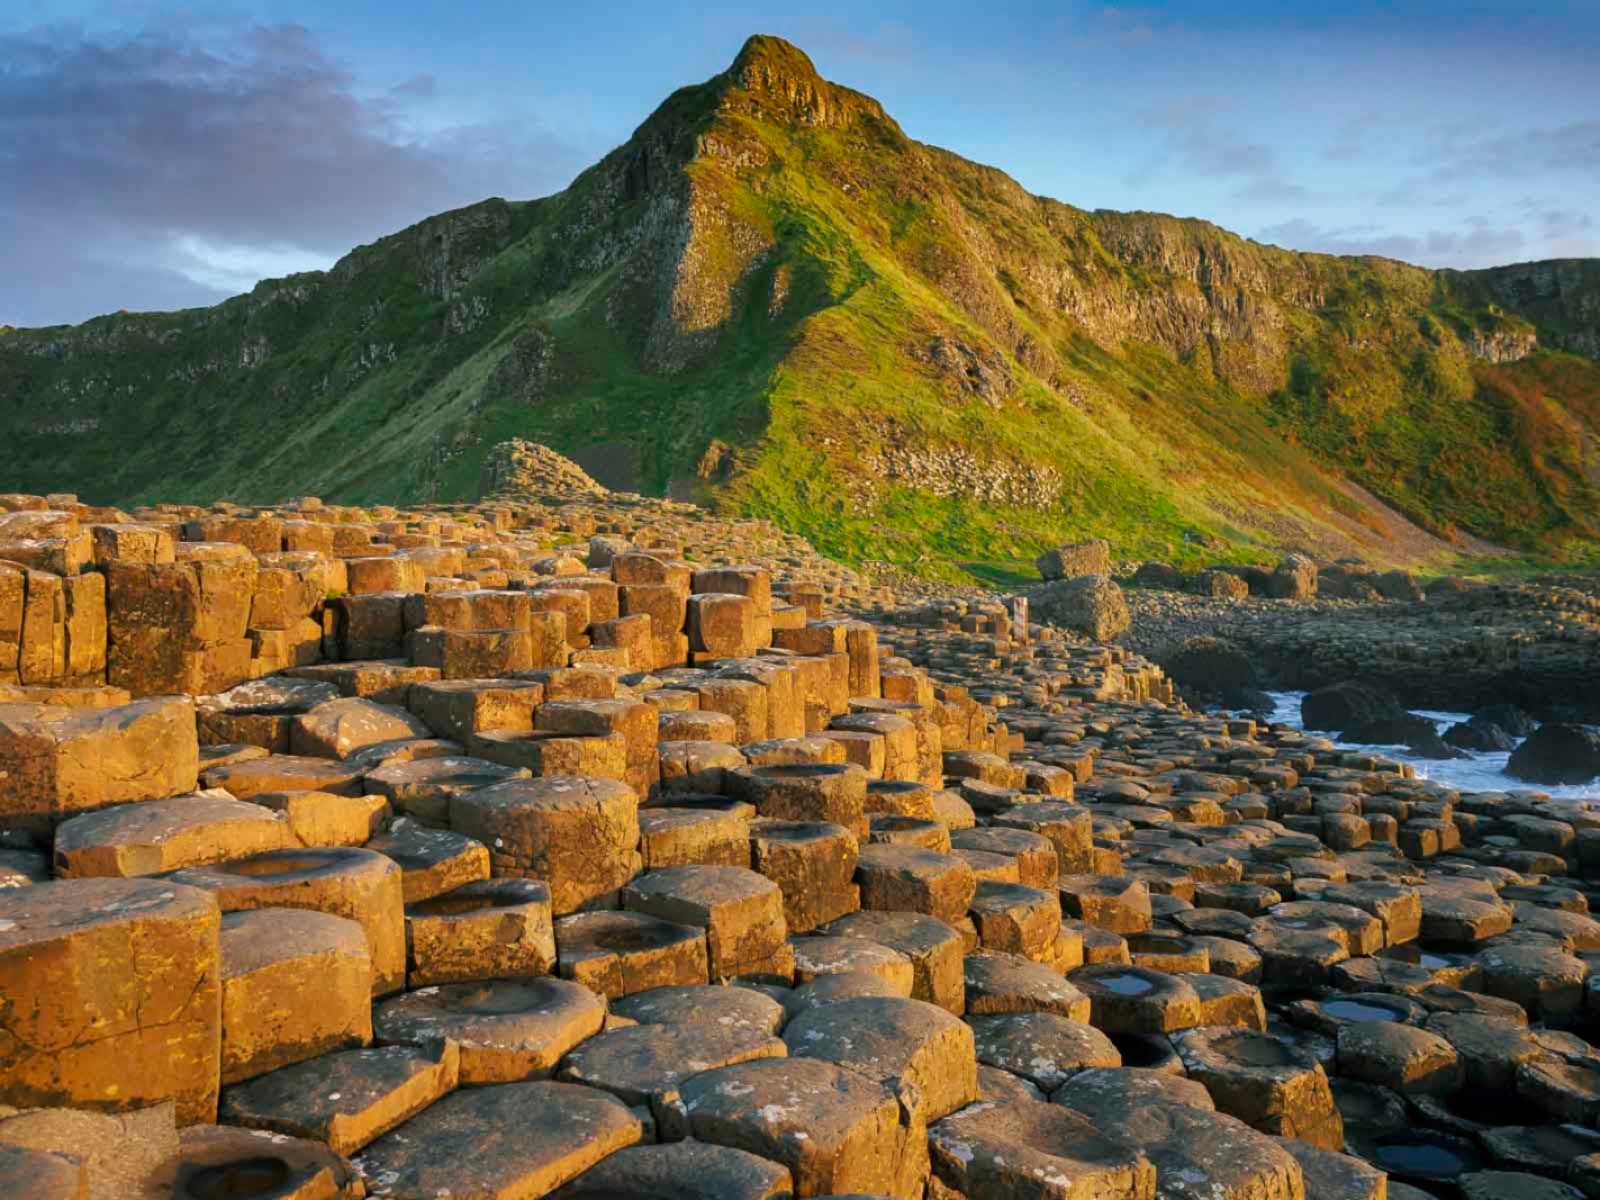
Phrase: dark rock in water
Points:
(1508, 717)
(1252, 700)
(1557, 753)
(1217, 670)
(1416, 734)
(1476, 735)
(1398, 730)
(1342, 705)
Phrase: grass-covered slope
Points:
(900, 353)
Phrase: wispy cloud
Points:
(1477, 242)
(210, 154)
(1202, 142)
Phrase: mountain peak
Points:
(764, 56)
(776, 79)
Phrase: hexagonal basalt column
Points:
(1136, 1000)
(908, 879)
(741, 912)
(620, 953)
(136, 960)
(814, 865)
(357, 884)
(580, 836)
(919, 1051)
(831, 792)
(853, 1136)
(497, 928)
(508, 1029)
(1266, 1082)
(272, 959)
(518, 1139)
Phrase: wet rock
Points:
(1557, 753)
(1342, 705)
(1136, 999)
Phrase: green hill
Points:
(770, 298)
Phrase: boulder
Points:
(1294, 579)
(1557, 753)
(1158, 575)
(1341, 705)
(1483, 736)
(1091, 605)
(1215, 669)
(1075, 560)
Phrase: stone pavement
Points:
(581, 844)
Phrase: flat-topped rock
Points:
(348, 1098)
(163, 835)
(140, 961)
(854, 1138)
(691, 1170)
(1026, 1148)
(646, 1065)
(59, 761)
(508, 1029)
(512, 1139)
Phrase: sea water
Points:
(1479, 771)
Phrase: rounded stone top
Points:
(46, 911)
(546, 792)
(282, 866)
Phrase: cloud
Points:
(1200, 143)
(215, 153)
(1476, 243)
(1462, 154)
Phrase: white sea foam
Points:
(1478, 772)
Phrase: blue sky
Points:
(154, 156)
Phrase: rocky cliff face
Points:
(897, 350)
(1561, 296)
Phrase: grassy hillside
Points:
(895, 351)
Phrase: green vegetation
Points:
(914, 360)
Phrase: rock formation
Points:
(594, 846)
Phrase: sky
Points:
(155, 156)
